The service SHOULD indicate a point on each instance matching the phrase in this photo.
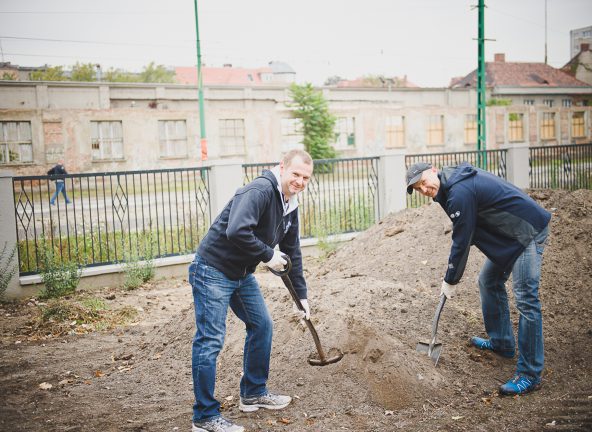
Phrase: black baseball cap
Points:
(414, 174)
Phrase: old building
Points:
(98, 126)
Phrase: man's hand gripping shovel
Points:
(433, 349)
(323, 360)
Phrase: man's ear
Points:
(281, 167)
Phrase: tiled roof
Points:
(502, 74)
(221, 75)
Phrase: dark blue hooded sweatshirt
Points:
(250, 226)
(488, 212)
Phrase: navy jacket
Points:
(247, 230)
(488, 212)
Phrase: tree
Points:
(117, 75)
(50, 73)
(83, 72)
(317, 122)
(333, 80)
(157, 74)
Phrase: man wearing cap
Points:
(511, 229)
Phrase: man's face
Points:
(295, 176)
(429, 183)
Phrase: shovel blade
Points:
(436, 350)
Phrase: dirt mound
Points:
(373, 298)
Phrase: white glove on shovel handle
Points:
(277, 261)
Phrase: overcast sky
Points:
(430, 41)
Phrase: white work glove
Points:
(448, 290)
(300, 315)
(277, 261)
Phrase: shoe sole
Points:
(198, 429)
(255, 407)
(532, 389)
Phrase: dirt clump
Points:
(374, 299)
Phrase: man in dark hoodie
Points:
(260, 216)
(59, 172)
(511, 229)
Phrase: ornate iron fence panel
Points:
(341, 197)
(494, 161)
(561, 167)
(111, 216)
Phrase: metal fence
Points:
(111, 217)
(341, 197)
(493, 161)
(561, 167)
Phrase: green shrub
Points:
(138, 271)
(59, 276)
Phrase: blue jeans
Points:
(213, 292)
(526, 274)
(60, 187)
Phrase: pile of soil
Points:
(373, 298)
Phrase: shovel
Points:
(322, 360)
(433, 349)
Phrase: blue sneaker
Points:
(485, 344)
(519, 385)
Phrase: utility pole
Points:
(481, 144)
(202, 117)
(545, 31)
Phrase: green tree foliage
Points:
(50, 73)
(8, 76)
(118, 75)
(317, 122)
(499, 102)
(83, 72)
(157, 74)
(333, 80)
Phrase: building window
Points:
(548, 126)
(566, 103)
(232, 136)
(395, 132)
(578, 129)
(470, 129)
(16, 145)
(106, 140)
(528, 101)
(172, 135)
(435, 130)
(345, 133)
(292, 136)
(548, 102)
(516, 127)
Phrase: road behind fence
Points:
(112, 217)
(561, 167)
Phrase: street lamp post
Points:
(202, 117)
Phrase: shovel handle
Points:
(286, 279)
(436, 320)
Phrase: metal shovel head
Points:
(335, 354)
(434, 352)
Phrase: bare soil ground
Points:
(374, 298)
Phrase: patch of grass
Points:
(68, 316)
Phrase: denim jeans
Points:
(60, 187)
(213, 292)
(526, 274)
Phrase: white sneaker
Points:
(268, 401)
(217, 424)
